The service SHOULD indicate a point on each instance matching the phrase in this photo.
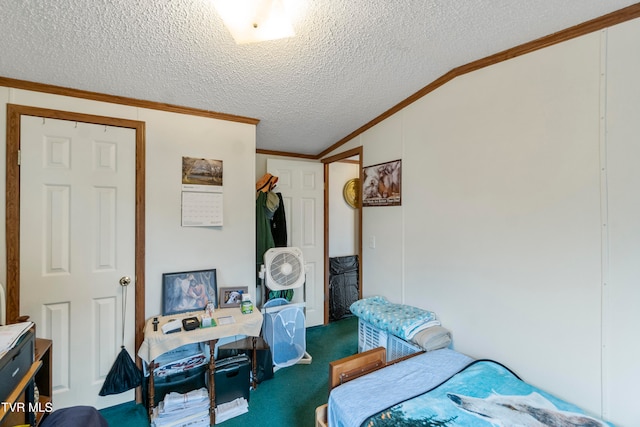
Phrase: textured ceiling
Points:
(349, 62)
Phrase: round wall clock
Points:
(351, 192)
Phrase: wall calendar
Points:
(202, 195)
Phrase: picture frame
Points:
(382, 184)
(197, 171)
(232, 296)
(188, 291)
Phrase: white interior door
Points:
(77, 239)
(302, 187)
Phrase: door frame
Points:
(327, 161)
(14, 114)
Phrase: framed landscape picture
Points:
(188, 291)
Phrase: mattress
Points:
(352, 403)
(446, 388)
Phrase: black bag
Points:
(124, 375)
(264, 365)
(343, 286)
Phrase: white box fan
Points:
(284, 322)
(284, 268)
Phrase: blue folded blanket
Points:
(403, 321)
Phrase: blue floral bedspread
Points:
(401, 320)
(484, 394)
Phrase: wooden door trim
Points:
(328, 160)
(14, 113)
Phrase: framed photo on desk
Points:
(232, 296)
(188, 291)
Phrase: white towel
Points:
(433, 338)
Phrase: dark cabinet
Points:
(23, 370)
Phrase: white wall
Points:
(342, 217)
(169, 136)
(621, 275)
(519, 222)
(509, 208)
(383, 227)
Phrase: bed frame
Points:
(352, 367)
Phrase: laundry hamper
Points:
(284, 331)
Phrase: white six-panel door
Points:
(77, 237)
(302, 187)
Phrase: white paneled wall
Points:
(519, 222)
(169, 247)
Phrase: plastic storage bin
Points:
(180, 370)
(179, 382)
(371, 337)
(232, 378)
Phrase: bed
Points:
(441, 388)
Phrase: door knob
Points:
(125, 281)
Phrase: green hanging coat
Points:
(264, 238)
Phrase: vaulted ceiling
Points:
(349, 62)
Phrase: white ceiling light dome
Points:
(251, 21)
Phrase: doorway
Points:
(300, 184)
(103, 152)
(334, 195)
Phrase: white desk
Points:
(156, 343)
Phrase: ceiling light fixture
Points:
(251, 21)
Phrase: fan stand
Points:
(306, 357)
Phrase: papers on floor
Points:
(10, 334)
(226, 411)
(192, 410)
(183, 410)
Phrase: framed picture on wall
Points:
(382, 184)
(198, 171)
(188, 291)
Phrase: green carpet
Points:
(128, 414)
(290, 398)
